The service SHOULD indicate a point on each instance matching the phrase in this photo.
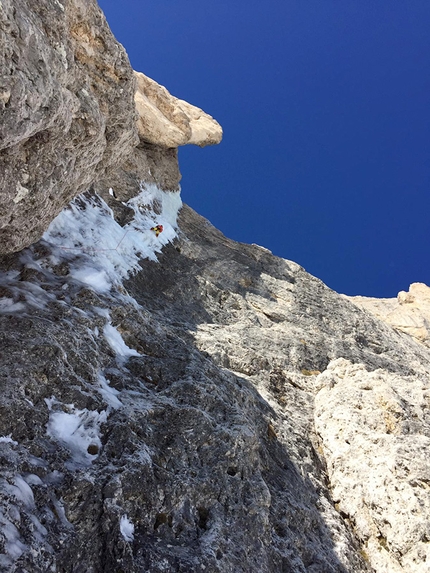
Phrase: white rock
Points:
(409, 312)
(376, 439)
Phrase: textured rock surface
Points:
(222, 410)
(67, 110)
(204, 439)
(168, 121)
(69, 120)
(375, 430)
(409, 312)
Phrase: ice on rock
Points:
(9, 305)
(96, 279)
(127, 528)
(78, 431)
(100, 253)
(13, 545)
(110, 253)
(24, 492)
(33, 479)
(21, 491)
(8, 440)
(109, 394)
(116, 342)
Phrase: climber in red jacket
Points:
(157, 229)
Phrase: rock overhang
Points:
(76, 115)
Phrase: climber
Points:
(157, 229)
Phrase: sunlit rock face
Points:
(409, 312)
(170, 122)
(375, 432)
(67, 110)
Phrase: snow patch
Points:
(8, 440)
(20, 491)
(33, 479)
(96, 279)
(116, 342)
(9, 305)
(79, 432)
(87, 227)
(39, 530)
(127, 528)
(13, 545)
(109, 394)
(23, 492)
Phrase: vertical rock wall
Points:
(67, 99)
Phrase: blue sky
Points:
(325, 106)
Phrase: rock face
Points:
(375, 430)
(180, 421)
(181, 402)
(409, 312)
(67, 110)
(68, 116)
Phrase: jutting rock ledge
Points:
(180, 403)
(74, 114)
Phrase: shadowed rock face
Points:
(203, 438)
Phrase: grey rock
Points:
(68, 117)
(213, 455)
(67, 110)
(219, 409)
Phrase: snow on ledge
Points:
(112, 253)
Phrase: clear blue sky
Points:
(325, 106)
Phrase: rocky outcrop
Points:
(69, 120)
(375, 430)
(409, 312)
(179, 420)
(170, 122)
(67, 110)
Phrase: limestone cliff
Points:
(409, 312)
(69, 118)
(180, 402)
(168, 121)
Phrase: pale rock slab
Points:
(409, 312)
(170, 122)
(375, 435)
